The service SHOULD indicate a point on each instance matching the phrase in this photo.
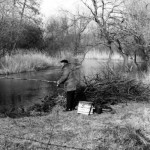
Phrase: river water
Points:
(26, 92)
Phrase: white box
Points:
(85, 108)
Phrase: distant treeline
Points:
(25, 36)
(113, 25)
(57, 36)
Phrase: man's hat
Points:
(64, 61)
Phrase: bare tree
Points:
(108, 15)
(80, 24)
(67, 32)
(27, 9)
(137, 27)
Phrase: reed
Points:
(23, 62)
(96, 54)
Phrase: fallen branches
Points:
(111, 87)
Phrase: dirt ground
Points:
(70, 130)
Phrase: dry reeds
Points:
(97, 54)
(22, 62)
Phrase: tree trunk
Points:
(110, 54)
(12, 27)
(20, 23)
(135, 62)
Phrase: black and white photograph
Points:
(74, 74)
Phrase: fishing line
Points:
(29, 79)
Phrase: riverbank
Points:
(127, 128)
(49, 127)
(25, 62)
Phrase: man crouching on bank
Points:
(68, 78)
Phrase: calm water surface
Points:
(23, 92)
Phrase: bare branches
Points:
(95, 6)
(110, 86)
(12, 14)
(23, 9)
(25, 4)
(112, 11)
(88, 6)
(105, 12)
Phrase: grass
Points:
(23, 62)
(69, 130)
(31, 61)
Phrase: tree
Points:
(79, 26)
(14, 14)
(137, 27)
(28, 9)
(108, 14)
(30, 37)
(53, 35)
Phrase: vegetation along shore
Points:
(113, 33)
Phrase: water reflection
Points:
(22, 92)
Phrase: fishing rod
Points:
(29, 79)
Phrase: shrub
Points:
(111, 87)
(48, 103)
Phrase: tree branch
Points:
(88, 7)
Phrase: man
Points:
(68, 78)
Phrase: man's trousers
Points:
(70, 100)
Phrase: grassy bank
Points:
(124, 128)
(31, 61)
(23, 62)
(128, 128)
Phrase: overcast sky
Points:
(51, 7)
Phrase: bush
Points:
(30, 37)
(48, 103)
(111, 87)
